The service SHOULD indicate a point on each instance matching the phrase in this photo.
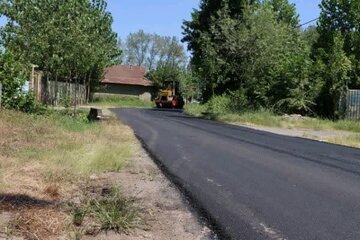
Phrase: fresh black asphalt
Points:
(254, 184)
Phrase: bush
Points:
(219, 104)
(233, 102)
(24, 102)
(239, 101)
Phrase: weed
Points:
(112, 211)
(78, 214)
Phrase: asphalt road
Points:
(253, 184)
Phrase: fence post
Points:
(0, 94)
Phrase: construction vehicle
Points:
(169, 96)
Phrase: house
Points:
(126, 80)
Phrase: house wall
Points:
(142, 92)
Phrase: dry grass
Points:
(352, 140)
(48, 158)
(41, 223)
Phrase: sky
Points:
(165, 17)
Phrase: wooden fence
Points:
(57, 92)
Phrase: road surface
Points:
(253, 184)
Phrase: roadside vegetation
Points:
(257, 55)
(254, 63)
(266, 118)
(46, 162)
(269, 119)
(120, 101)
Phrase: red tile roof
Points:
(126, 74)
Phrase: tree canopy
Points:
(257, 48)
(164, 57)
(70, 39)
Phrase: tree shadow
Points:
(19, 201)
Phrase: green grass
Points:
(112, 211)
(196, 110)
(121, 101)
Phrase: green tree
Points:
(257, 52)
(284, 11)
(153, 51)
(12, 78)
(70, 40)
(137, 47)
(337, 52)
(335, 74)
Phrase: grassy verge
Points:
(353, 140)
(268, 119)
(120, 101)
(47, 160)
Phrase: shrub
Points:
(239, 102)
(24, 102)
(219, 104)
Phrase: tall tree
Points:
(285, 12)
(153, 50)
(254, 48)
(66, 39)
(137, 46)
(339, 37)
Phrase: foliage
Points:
(153, 51)
(337, 53)
(190, 84)
(68, 40)
(257, 51)
(256, 47)
(219, 105)
(13, 76)
(163, 56)
(137, 47)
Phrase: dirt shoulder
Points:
(345, 138)
(165, 213)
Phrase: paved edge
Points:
(199, 211)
